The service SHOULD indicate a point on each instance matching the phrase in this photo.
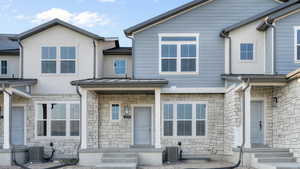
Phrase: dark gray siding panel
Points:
(208, 21)
(285, 58)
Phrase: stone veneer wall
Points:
(232, 118)
(93, 116)
(213, 142)
(286, 118)
(118, 134)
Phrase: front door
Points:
(257, 123)
(142, 125)
(17, 126)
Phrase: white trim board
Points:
(193, 90)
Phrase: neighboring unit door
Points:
(17, 126)
(257, 122)
(142, 125)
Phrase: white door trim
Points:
(25, 117)
(264, 101)
(132, 121)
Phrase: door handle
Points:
(260, 125)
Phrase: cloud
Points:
(106, 0)
(85, 18)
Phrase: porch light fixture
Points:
(275, 101)
(126, 112)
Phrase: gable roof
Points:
(259, 16)
(165, 15)
(55, 22)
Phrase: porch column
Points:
(248, 117)
(157, 119)
(84, 114)
(6, 118)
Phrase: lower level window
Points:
(184, 119)
(57, 119)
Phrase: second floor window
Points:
(67, 56)
(297, 47)
(178, 54)
(64, 63)
(49, 59)
(246, 51)
(120, 67)
(3, 67)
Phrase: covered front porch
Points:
(120, 116)
(15, 94)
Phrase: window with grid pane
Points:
(184, 119)
(58, 120)
(115, 111)
(42, 117)
(48, 64)
(168, 119)
(68, 59)
(246, 50)
(120, 67)
(74, 119)
(3, 67)
(200, 119)
(178, 54)
(298, 45)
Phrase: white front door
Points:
(17, 126)
(142, 125)
(257, 122)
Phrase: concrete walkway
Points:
(181, 165)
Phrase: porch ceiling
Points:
(120, 83)
(256, 78)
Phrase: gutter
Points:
(226, 35)
(269, 22)
(22, 59)
(132, 55)
(94, 65)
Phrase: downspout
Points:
(21, 58)
(80, 107)
(268, 22)
(94, 60)
(226, 35)
(132, 55)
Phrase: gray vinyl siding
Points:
(269, 52)
(285, 58)
(208, 21)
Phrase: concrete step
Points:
(119, 160)
(275, 159)
(119, 155)
(291, 165)
(117, 166)
(273, 154)
(272, 150)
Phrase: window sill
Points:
(57, 137)
(179, 73)
(184, 137)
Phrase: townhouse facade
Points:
(211, 75)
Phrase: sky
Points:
(106, 18)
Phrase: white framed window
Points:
(115, 111)
(246, 51)
(120, 67)
(185, 119)
(57, 119)
(168, 119)
(49, 59)
(67, 59)
(297, 44)
(3, 67)
(64, 63)
(178, 53)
